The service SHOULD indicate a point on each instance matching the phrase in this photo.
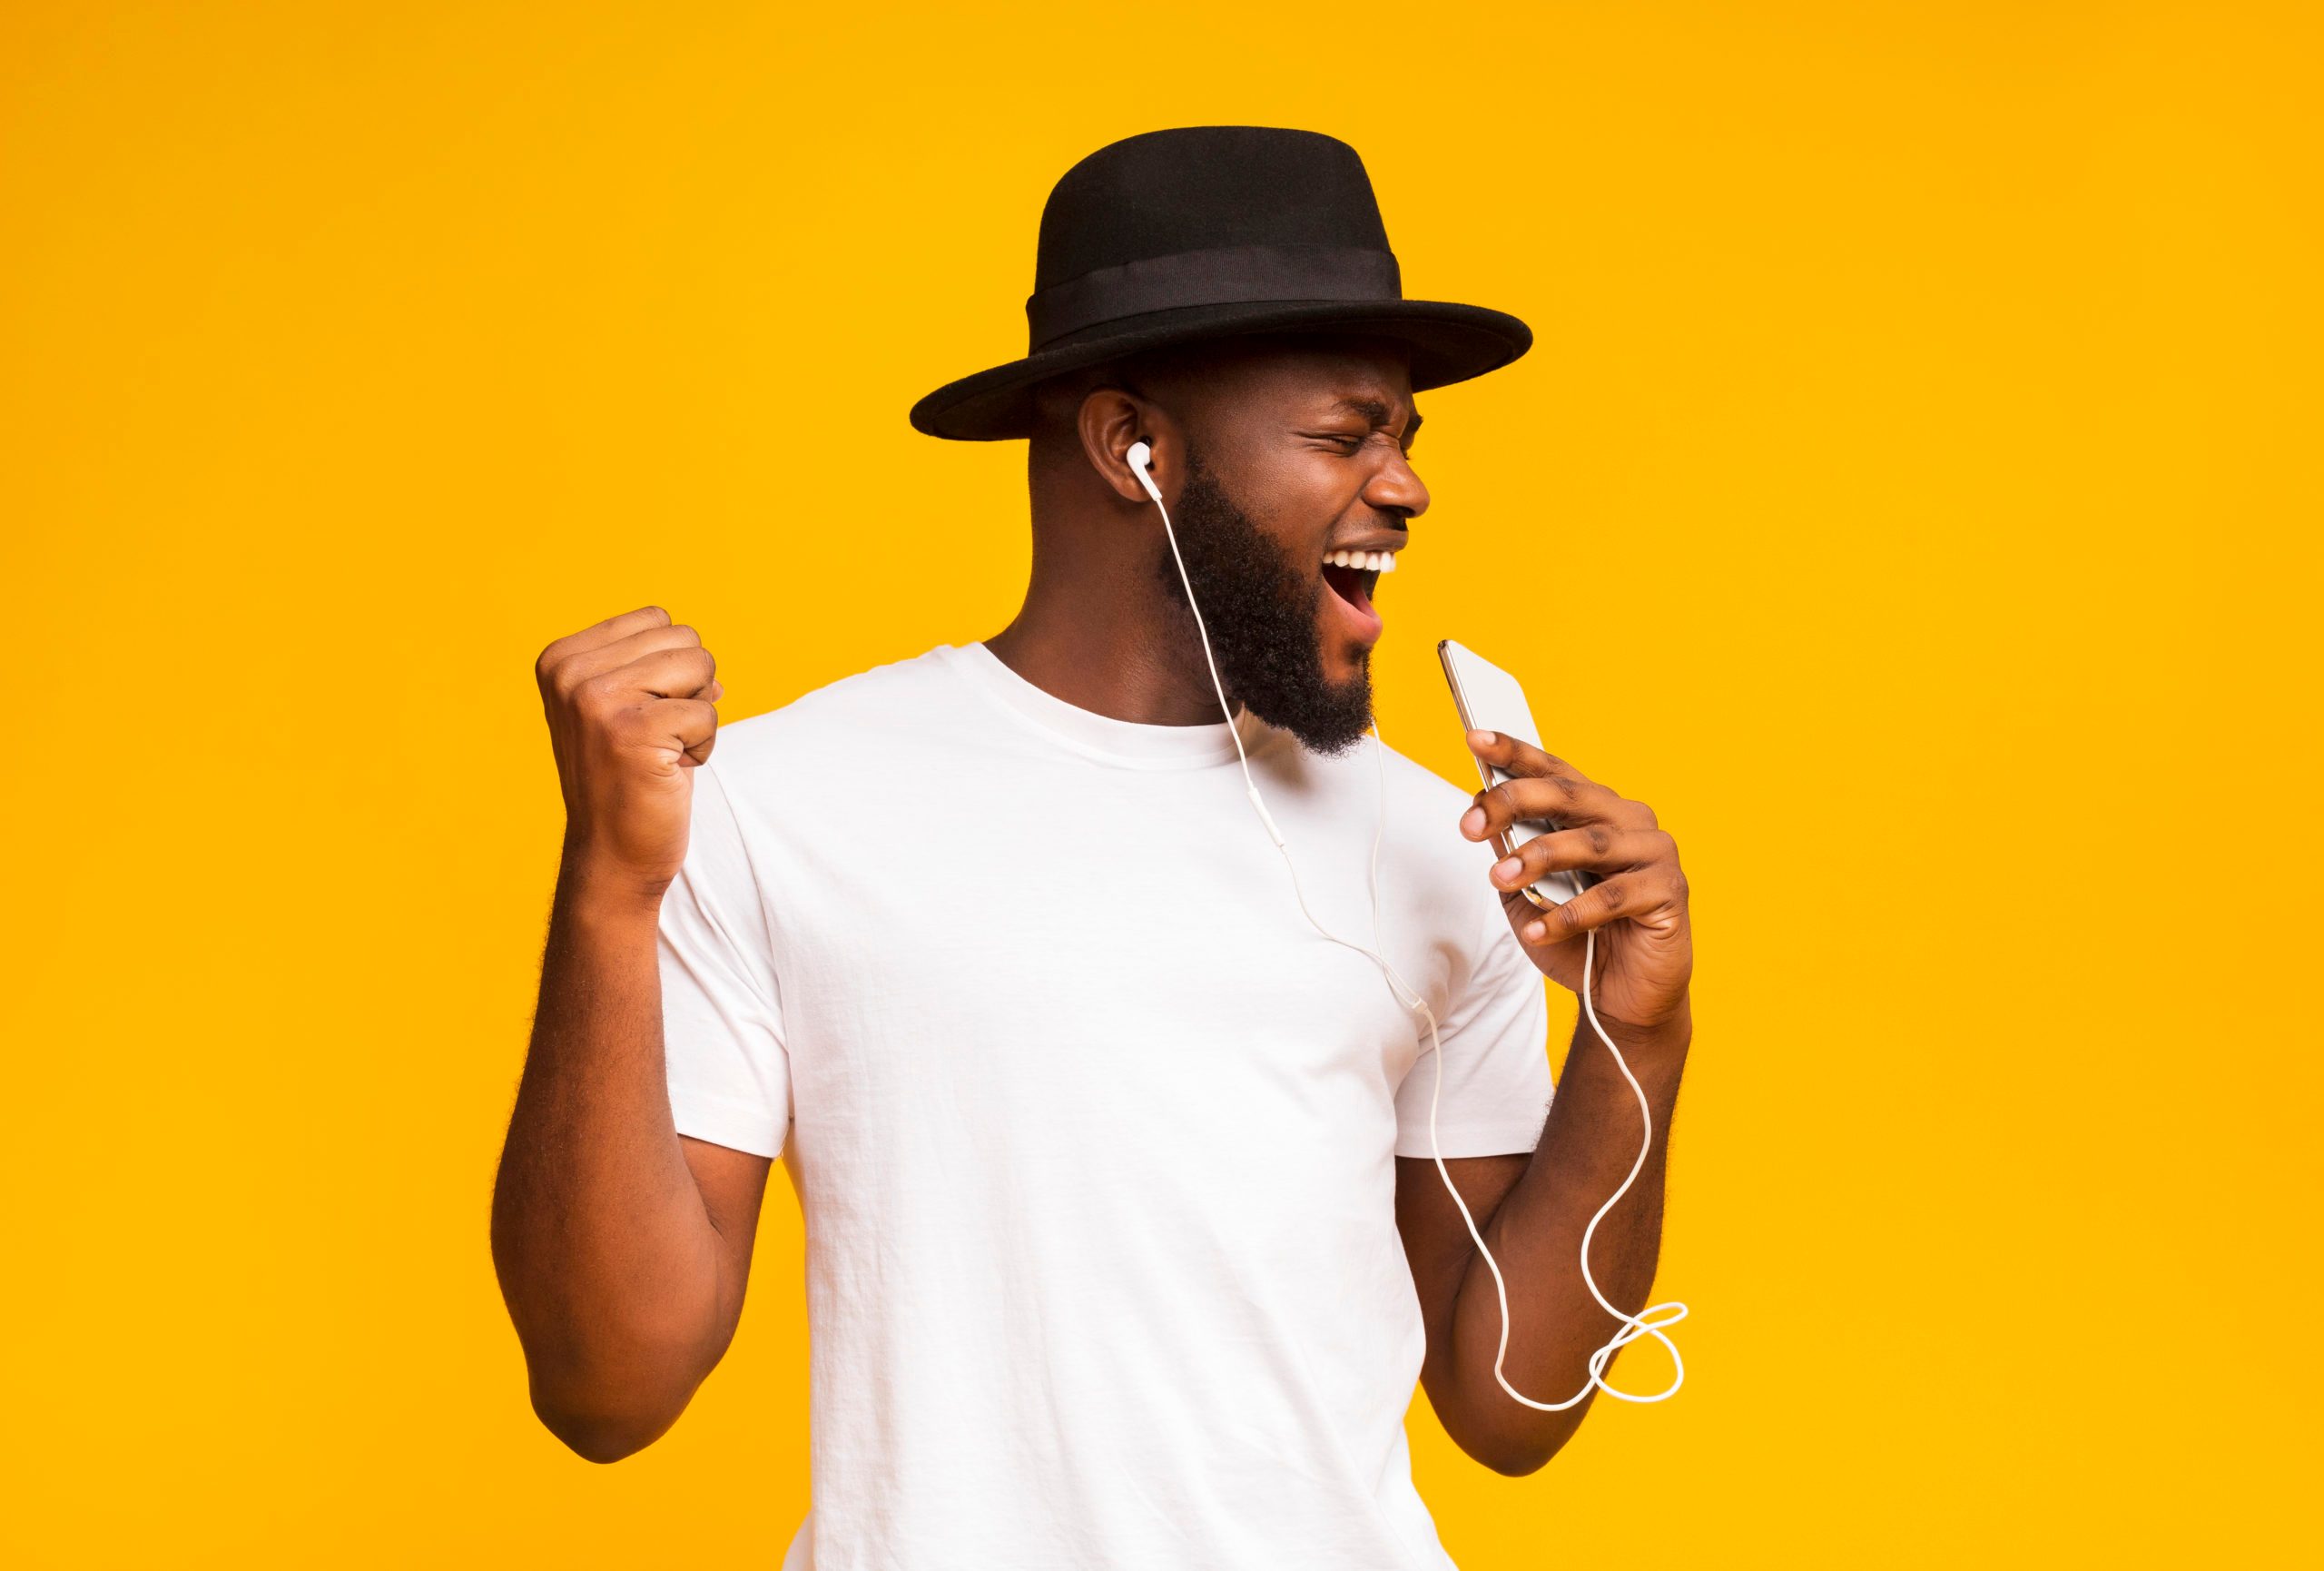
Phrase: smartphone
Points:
(1489, 699)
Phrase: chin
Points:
(1337, 718)
(1348, 665)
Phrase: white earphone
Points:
(1648, 1322)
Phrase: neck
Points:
(1104, 636)
(1097, 628)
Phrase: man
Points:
(1125, 1245)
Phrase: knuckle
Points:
(593, 692)
(567, 680)
(1601, 840)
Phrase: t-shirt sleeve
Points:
(721, 1020)
(1495, 1038)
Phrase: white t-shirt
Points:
(1093, 1131)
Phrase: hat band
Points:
(1233, 275)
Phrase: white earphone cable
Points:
(1648, 1322)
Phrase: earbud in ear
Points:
(1139, 456)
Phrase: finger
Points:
(1597, 847)
(680, 673)
(698, 731)
(1511, 756)
(603, 632)
(1629, 895)
(680, 732)
(582, 663)
(1565, 800)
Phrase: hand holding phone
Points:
(1489, 699)
(1646, 942)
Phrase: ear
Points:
(1111, 419)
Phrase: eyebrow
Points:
(1377, 411)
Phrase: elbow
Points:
(605, 1408)
(601, 1442)
(598, 1436)
(1519, 1463)
(616, 1391)
(1520, 1456)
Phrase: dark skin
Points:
(624, 1248)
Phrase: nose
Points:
(1394, 489)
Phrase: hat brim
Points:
(1448, 343)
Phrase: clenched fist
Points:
(631, 705)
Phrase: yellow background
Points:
(1912, 493)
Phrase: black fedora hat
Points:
(1208, 231)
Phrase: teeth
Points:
(1373, 561)
(1387, 561)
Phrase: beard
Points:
(1261, 611)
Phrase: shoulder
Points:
(1425, 809)
(1440, 874)
(1494, 977)
(815, 760)
(836, 722)
(1421, 788)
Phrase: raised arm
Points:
(622, 1247)
(1532, 1207)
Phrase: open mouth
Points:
(1352, 575)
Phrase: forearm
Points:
(1535, 1234)
(607, 1255)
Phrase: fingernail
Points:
(1536, 931)
(1473, 822)
(1507, 869)
(1480, 739)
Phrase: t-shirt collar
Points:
(1124, 742)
